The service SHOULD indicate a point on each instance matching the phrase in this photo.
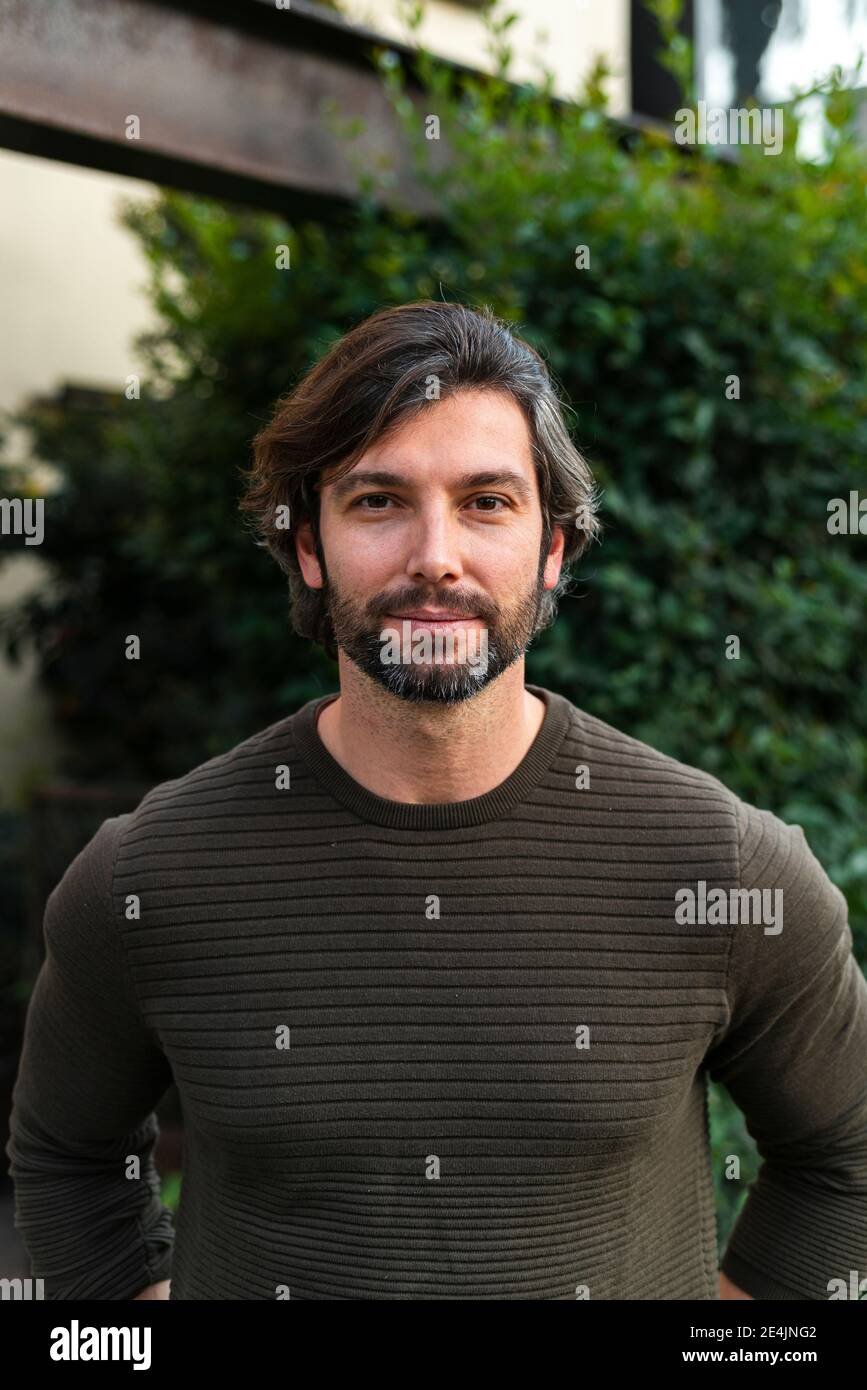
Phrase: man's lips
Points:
(436, 616)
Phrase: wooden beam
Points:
(230, 96)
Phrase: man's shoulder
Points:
(765, 842)
(641, 767)
(225, 782)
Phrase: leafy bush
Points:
(716, 509)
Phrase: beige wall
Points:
(71, 285)
(577, 31)
(73, 279)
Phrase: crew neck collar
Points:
(445, 815)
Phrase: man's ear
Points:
(554, 558)
(305, 549)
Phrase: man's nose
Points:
(435, 551)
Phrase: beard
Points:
(360, 631)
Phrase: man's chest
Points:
(525, 1009)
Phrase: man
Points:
(440, 963)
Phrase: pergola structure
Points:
(230, 96)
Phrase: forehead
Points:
(468, 430)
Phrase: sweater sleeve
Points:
(90, 1075)
(793, 1056)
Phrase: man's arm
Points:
(82, 1127)
(793, 1056)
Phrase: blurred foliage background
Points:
(701, 267)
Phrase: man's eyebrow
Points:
(380, 478)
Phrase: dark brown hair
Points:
(376, 377)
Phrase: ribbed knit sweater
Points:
(442, 1051)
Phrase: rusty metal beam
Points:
(229, 95)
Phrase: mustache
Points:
(408, 600)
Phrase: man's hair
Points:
(377, 377)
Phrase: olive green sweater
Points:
(453, 1051)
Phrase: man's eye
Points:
(378, 501)
(372, 497)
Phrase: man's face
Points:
(432, 547)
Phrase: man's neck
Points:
(427, 753)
